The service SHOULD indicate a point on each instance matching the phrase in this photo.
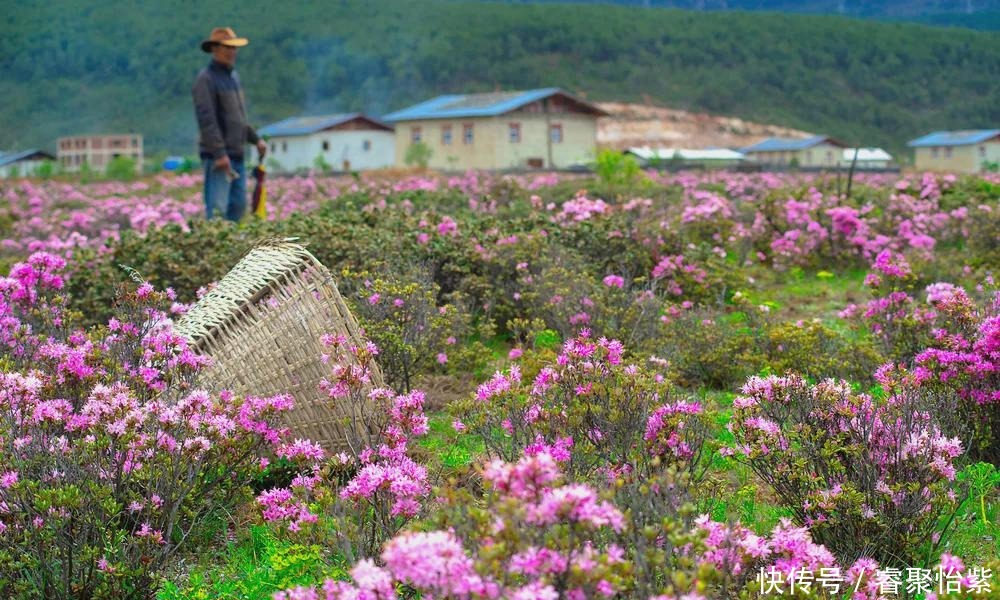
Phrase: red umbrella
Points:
(259, 204)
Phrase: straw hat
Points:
(225, 36)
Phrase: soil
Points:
(645, 125)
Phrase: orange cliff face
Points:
(642, 125)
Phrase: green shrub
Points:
(121, 168)
(418, 155)
(253, 566)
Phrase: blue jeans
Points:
(228, 198)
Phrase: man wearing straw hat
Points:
(222, 126)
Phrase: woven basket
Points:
(262, 325)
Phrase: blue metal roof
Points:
(954, 138)
(491, 104)
(13, 157)
(776, 144)
(307, 125)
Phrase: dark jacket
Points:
(222, 117)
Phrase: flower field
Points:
(636, 385)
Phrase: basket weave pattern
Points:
(262, 326)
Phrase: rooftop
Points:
(777, 144)
(13, 157)
(312, 124)
(453, 106)
(954, 138)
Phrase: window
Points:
(414, 134)
(982, 152)
(809, 156)
(556, 133)
(135, 142)
(326, 145)
(947, 152)
(829, 157)
(446, 135)
(274, 147)
(367, 145)
(284, 146)
(934, 152)
(514, 133)
(467, 135)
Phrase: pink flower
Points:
(8, 479)
(614, 281)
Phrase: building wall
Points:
(97, 151)
(820, 155)
(22, 168)
(865, 164)
(536, 149)
(346, 150)
(458, 155)
(492, 146)
(963, 159)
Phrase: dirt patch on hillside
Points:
(643, 125)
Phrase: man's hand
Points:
(262, 148)
(222, 163)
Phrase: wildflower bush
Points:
(610, 413)
(868, 475)
(963, 358)
(415, 336)
(598, 456)
(720, 348)
(358, 499)
(113, 458)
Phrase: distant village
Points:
(546, 129)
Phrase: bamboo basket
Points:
(262, 325)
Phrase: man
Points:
(222, 126)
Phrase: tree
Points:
(45, 170)
(321, 165)
(121, 168)
(418, 154)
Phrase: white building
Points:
(867, 158)
(345, 142)
(22, 164)
(688, 157)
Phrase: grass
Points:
(254, 566)
(446, 449)
(798, 294)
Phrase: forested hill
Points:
(78, 66)
(975, 14)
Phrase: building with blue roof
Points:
(545, 128)
(24, 163)
(968, 151)
(818, 151)
(342, 142)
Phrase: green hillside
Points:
(70, 66)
